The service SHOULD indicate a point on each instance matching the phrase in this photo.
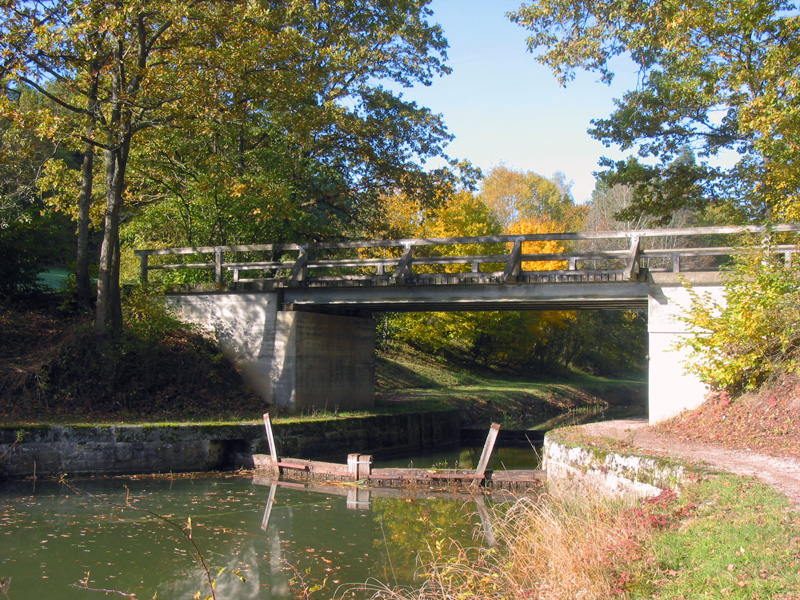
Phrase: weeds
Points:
(722, 537)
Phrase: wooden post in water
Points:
(488, 448)
(359, 466)
(273, 452)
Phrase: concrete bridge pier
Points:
(671, 389)
(296, 360)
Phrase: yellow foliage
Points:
(524, 226)
(60, 187)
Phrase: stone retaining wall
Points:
(133, 449)
(578, 463)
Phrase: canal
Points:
(259, 539)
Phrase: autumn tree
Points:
(515, 195)
(721, 79)
(286, 96)
(313, 164)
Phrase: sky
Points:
(504, 108)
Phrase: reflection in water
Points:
(467, 458)
(277, 537)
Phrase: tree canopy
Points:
(237, 120)
(720, 79)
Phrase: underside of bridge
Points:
(308, 348)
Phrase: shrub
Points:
(755, 332)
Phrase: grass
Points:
(736, 538)
(405, 375)
(723, 537)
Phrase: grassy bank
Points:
(723, 537)
(54, 370)
(404, 375)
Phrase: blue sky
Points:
(506, 108)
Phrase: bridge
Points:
(297, 318)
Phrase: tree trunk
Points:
(108, 316)
(82, 279)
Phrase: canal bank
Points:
(579, 458)
(78, 450)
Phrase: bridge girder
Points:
(509, 297)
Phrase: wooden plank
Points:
(514, 265)
(518, 476)
(452, 475)
(316, 467)
(273, 451)
(533, 237)
(291, 465)
(207, 265)
(488, 448)
(632, 265)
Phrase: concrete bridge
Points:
(297, 318)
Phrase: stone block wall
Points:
(51, 451)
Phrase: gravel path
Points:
(780, 473)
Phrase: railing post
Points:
(218, 258)
(143, 267)
(632, 267)
(404, 269)
(300, 268)
(514, 264)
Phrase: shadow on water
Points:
(261, 539)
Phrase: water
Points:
(106, 537)
(467, 458)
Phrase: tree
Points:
(515, 195)
(293, 80)
(721, 79)
(109, 68)
(753, 334)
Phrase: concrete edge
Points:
(587, 463)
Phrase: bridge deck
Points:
(478, 273)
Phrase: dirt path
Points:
(780, 473)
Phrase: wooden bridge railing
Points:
(507, 257)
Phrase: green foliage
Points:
(721, 80)
(754, 332)
(226, 123)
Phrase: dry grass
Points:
(548, 548)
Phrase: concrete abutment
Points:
(671, 388)
(296, 360)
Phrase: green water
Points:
(53, 538)
(467, 458)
